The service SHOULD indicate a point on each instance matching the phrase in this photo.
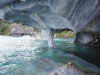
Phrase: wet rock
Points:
(96, 40)
(88, 38)
(70, 69)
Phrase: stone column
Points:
(50, 35)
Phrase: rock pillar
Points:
(88, 38)
(50, 35)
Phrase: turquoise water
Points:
(31, 56)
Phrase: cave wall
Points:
(83, 37)
(51, 14)
(55, 14)
(90, 34)
(93, 26)
(91, 39)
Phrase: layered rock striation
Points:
(50, 14)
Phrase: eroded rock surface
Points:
(70, 69)
(56, 14)
(51, 14)
(88, 38)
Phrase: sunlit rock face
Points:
(18, 28)
(50, 14)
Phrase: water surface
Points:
(31, 56)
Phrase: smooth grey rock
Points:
(70, 69)
(91, 39)
(51, 14)
(56, 14)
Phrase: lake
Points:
(32, 56)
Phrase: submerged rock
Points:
(70, 69)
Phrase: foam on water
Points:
(31, 56)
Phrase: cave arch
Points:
(50, 14)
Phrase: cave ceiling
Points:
(55, 14)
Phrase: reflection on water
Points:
(31, 56)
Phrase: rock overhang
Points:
(56, 14)
(51, 14)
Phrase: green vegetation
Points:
(35, 30)
(4, 28)
(65, 34)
